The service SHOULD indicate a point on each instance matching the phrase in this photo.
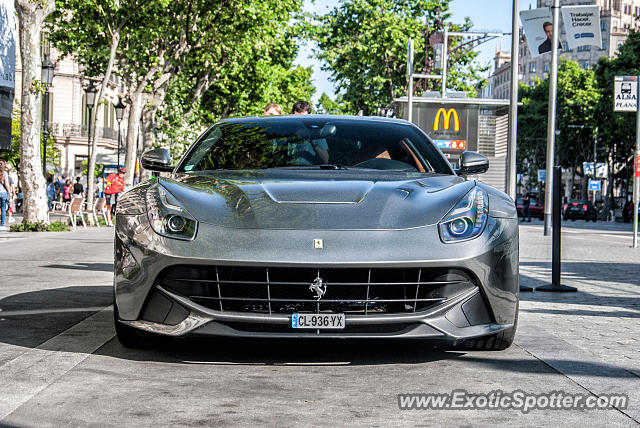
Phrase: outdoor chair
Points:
(98, 208)
(71, 210)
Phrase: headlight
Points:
(467, 219)
(167, 217)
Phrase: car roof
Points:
(315, 117)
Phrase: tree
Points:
(31, 15)
(90, 31)
(329, 106)
(242, 61)
(617, 130)
(577, 97)
(363, 43)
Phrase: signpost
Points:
(594, 185)
(625, 98)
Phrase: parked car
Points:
(536, 208)
(580, 210)
(316, 227)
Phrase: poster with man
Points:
(582, 24)
(7, 70)
(538, 27)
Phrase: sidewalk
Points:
(593, 335)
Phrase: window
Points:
(532, 67)
(77, 165)
(584, 48)
(604, 45)
(546, 67)
(603, 25)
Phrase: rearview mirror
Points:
(472, 163)
(157, 160)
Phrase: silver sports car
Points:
(316, 227)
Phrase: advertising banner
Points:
(582, 25)
(453, 128)
(538, 29)
(7, 70)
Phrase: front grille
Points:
(280, 290)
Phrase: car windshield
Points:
(314, 143)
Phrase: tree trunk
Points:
(30, 17)
(115, 40)
(133, 127)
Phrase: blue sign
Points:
(542, 175)
(594, 185)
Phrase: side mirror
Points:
(157, 160)
(472, 163)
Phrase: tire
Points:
(495, 342)
(131, 337)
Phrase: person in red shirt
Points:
(114, 185)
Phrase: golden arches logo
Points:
(447, 119)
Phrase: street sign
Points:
(602, 170)
(542, 175)
(625, 93)
(587, 168)
(594, 185)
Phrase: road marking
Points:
(28, 374)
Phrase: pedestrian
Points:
(526, 201)
(11, 206)
(4, 193)
(114, 186)
(272, 109)
(59, 185)
(78, 189)
(66, 190)
(51, 191)
(301, 107)
(99, 191)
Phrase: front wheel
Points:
(130, 337)
(495, 342)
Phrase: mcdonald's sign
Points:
(447, 119)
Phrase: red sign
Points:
(637, 166)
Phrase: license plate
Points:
(315, 321)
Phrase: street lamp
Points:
(47, 79)
(119, 115)
(90, 92)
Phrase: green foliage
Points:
(329, 106)
(54, 155)
(27, 226)
(577, 97)
(363, 43)
(96, 173)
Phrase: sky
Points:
(485, 15)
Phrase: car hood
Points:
(321, 200)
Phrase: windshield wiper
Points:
(321, 166)
(332, 166)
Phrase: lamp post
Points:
(119, 115)
(47, 79)
(90, 91)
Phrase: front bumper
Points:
(492, 259)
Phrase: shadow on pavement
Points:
(290, 352)
(29, 319)
(105, 267)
